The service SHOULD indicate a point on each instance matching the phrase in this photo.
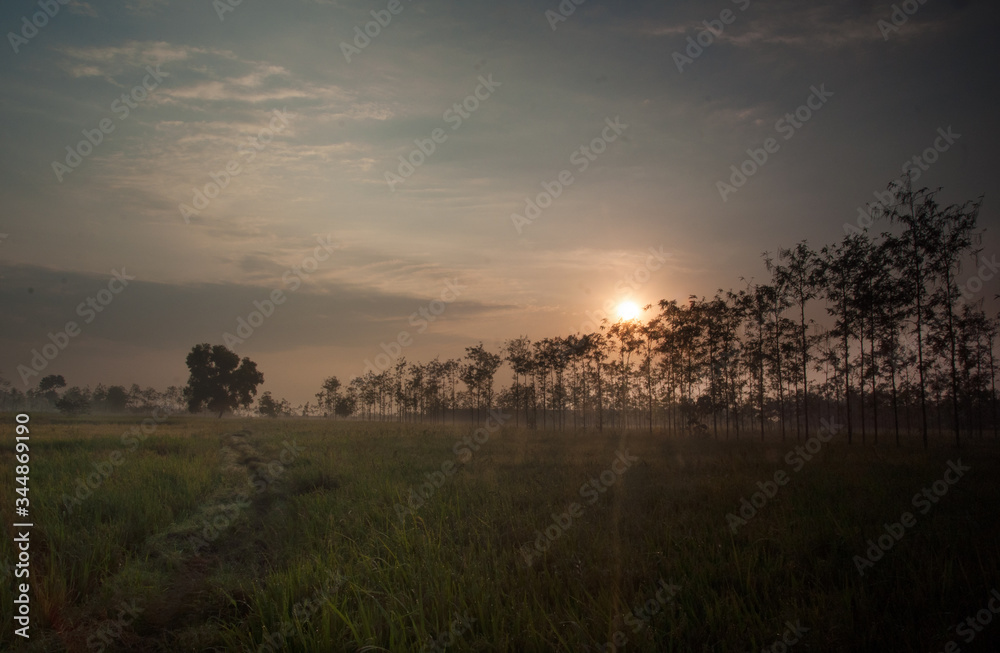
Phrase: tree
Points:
(327, 397)
(219, 380)
(954, 234)
(757, 301)
(6, 391)
(268, 407)
(346, 405)
(478, 373)
(628, 334)
(801, 274)
(895, 331)
(843, 266)
(48, 385)
(779, 299)
(648, 333)
(173, 398)
(116, 399)
(75, 401)
(911, 251)
(518, 355)
(595, 349)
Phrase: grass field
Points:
(302, 535)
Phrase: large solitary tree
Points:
(219, 380)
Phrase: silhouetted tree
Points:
(517, 353)
(219, 380)
(74, 401)
(911, 254)
(328, 395)
(268, 407)
(48, 387)
(801, 274)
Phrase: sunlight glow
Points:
(628, 310)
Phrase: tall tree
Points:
(628, 335)
(841, 263)
(801, 274)
(596, 348)
(517, 352)
(478, 373)
(953, 234)
(328, 395)
(912, 249)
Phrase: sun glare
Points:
(628, 310)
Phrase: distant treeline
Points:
(905, 348)
(52, 394)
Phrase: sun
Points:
(628, 310)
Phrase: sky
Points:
(314, 182)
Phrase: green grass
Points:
(329, 514)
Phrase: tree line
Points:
(899, 348)
(874, 332)
(52, 393)
(219, 381)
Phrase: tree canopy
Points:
(219, 380)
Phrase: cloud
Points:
(805, 27)
(202, 77)
(212, 103)
(154, 316)
(145, 7)
(81, 8)
(112, 61)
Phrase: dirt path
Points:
(188, 592)
(196, 548)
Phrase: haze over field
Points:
(610, 109)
